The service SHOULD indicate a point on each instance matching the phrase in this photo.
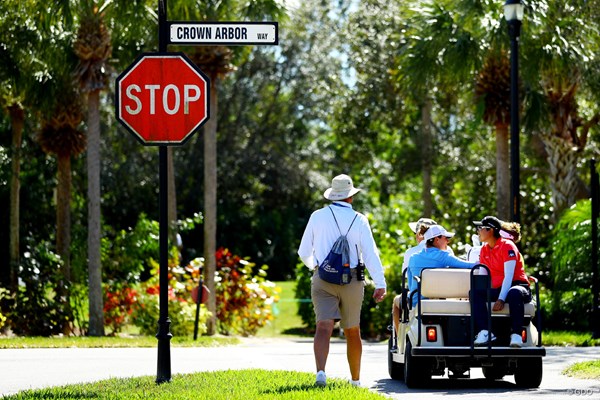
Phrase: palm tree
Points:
(459, 41)
(129, 21)
(436, 59)
(93, 48)
(17, 119)
(217, 62)
(61, 136)
(492, 88)
(18, 68)
(564, 77)
(565, 141)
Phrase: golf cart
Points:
(437, 334)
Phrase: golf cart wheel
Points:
(493, 373)
(395, 369)
(529, 372)
(417, 370)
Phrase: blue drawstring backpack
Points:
(336, 266)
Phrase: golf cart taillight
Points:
(431, 334)
(524, 335)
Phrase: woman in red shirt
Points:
(508, 279)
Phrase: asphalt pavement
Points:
(37, 368)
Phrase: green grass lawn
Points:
(287, 322)
(220, 385)
(20, 342)
(584, 370)
(569, 338)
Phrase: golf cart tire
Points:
(417, 371)
(395, 369)
(529, 372)
(493, 373)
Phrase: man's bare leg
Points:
(321, 343)
(353, 350)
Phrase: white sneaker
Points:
(483, 338)
(321, 379)
(355, 383)
(516, 340)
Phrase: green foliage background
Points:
(342, 93)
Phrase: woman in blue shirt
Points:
(434, 255)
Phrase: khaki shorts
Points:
(338, 302)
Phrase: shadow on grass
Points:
(292, 388)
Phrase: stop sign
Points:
(162, 98)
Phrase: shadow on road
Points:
(449, 386)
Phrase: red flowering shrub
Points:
(243, 297)
(182, 310)
(243, 300)
(118, 306)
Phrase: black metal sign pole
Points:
(595, 279)
(164, 335)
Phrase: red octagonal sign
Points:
(162, 98)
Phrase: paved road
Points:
(36, 368)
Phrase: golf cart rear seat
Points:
(446, 291)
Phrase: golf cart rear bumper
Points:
(478, 352)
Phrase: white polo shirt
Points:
(413, 250)
(321, 233)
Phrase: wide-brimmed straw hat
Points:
(341, 188)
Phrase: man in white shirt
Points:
(340, 302)
(419, 228)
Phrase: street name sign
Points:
(162, 98)
(223, 33)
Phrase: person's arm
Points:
(370, 256)
(305, 251)
(509, 273)
(511, 254)
(455, 262)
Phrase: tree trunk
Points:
(96, 323)
(503, 202)
(564, 179)
(210, 205)
(17, 121)
(63, 214)
(172, 207)
(63, 234)
(426, 157)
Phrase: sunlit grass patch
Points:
(584, 370)
(109, 342)
(220, 385)
(569, 338)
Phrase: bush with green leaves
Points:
(3, 293)
(569, 302)
(244, 297)
(182, 309)
(302, 290)
(127, 253)
(39, 308)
